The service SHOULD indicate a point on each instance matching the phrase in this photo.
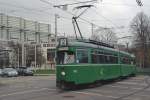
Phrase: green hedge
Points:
(44, 71)
(143, 71)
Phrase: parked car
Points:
(25, 71)
(9, 72)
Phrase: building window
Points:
(44, 45)
(52, 40)
(50, 55)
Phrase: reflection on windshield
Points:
(65, 58)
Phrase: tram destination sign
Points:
(63, 42)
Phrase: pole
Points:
(23, 43)
(8, 34)
(39, 37)
(49, 31)
(23, 53)
(36, 40)
(56, 16)
(18, 56)
(92, 28)
(119, 58)
(2, 18)
(127, 46)
(35, 56)
(20, 26)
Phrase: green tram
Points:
(86, 61)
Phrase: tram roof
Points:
(86, 43)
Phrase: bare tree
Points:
(105, 35)
(140, 28)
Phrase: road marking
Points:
(124, 87)
(94, 90)
(118, 86)
(139, 77)
(18, 80)
(132, 83)
(28, 91)
(95, 94)
(144, 95)
(104, 91)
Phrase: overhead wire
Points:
(108, 20)
(30, 10)
(79, 2)
(73, 15)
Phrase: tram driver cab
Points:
(64, 55)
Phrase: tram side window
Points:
(97, 58)
(94, 58)
(107, 59)
(110, 59)
(125, 60)
(132, 62)
(101, 59)
(82, 56)
(114, 59)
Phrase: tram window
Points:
(107, 59)
(126, 60)
(132, 61)
(123, 60)
(60, 57)
(101, 59)
(116, 60)
(65, 57)
(69, 58)
(94, 58)
(113, 59)
(97, 57)
(82, 56)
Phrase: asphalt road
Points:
(43, 88)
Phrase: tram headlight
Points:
(63, 73)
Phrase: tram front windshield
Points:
(65, 57)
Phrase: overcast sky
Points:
(105, 13)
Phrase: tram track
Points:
(138, 91)
(146, 81)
